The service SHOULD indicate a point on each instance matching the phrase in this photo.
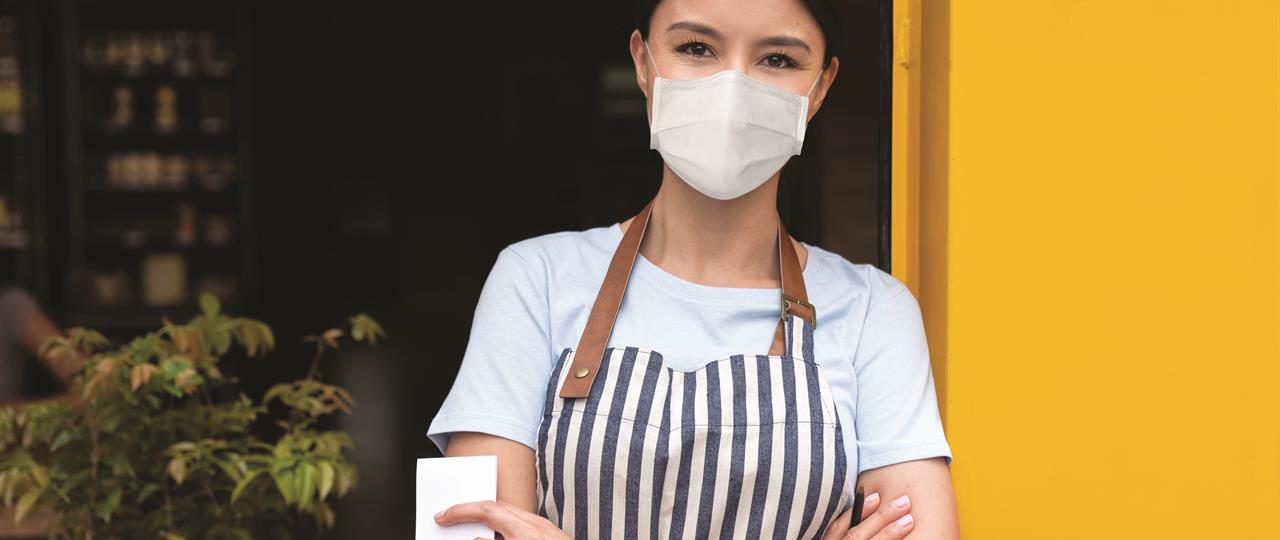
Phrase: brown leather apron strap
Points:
(795, 299)
(590, 352)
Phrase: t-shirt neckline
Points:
(646, 269)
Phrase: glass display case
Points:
(22, 248)
(158, 154)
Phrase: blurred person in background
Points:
(24, 328)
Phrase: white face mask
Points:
(727, 133)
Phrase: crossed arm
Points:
(925, 482)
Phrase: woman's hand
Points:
(506, 519)
(889, 523)
(514, 523)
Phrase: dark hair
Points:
(823, 11)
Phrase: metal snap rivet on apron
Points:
(582, 372)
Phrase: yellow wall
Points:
(1091, 207)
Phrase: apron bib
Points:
(748, 446)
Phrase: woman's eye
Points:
(779, 61)
(698, 50)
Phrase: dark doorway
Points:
(397, 146)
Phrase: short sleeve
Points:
(501, 385)
(897, 416)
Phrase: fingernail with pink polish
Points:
(905, 520)
(438, 514)
(900, 501)
(871, 498)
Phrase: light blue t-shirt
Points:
(869, 340)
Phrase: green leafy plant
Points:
(143, 450)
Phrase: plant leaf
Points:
(248, 338)
(40, 475)
(276, 391)
(87, 340)
(231, 470)
(306, 488)
(187, 380)
(61, 440)
(120, 465)
(242, 484)
(210, 305)
(326, 515)
(135, 377)
(10, 483)
(147, 491)
(221, 342)
(346, 480)
(326, 478)
(178, 469)
(108, 506)
(109, 422)
(268, 338)
(364, 328)
(284, 483)
(331, 336)
(184, 446)
(52, 344)
(25, 502)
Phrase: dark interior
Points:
(384, 152)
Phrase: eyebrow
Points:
(786, 41)
(691, 26)
(773, 41)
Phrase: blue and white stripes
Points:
(745, 447)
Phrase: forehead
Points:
(740, 18)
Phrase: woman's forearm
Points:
(927, 483)
(517, 483)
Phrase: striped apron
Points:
(748, 446)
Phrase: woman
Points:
(661, 415)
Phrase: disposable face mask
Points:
(727, 133)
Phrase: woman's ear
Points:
(640, 57)
(824, 84)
